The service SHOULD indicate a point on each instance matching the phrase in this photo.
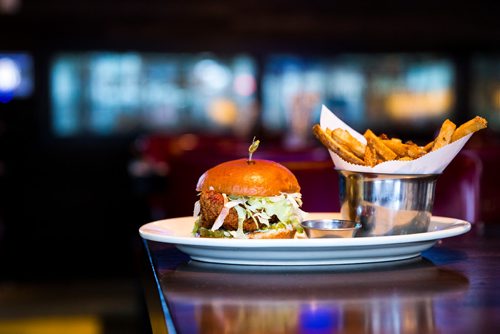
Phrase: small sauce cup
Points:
(330, 228)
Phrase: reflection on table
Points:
(411, 296)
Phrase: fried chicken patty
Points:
(211, 204)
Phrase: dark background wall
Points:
(257, 25)
(69, 204)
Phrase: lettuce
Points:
(286, 207)
(261, 209)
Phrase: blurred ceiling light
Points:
(244, 85)
(10, 75)
(223, 112)
(212, 75)
(407, 105)
(9, 6)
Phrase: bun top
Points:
(243, 178)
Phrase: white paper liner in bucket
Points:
(431, 163)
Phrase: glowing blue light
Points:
(212, 75)
(10, 75)
(317, 319)
(10, 79)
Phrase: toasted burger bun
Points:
(274, 234)
(243, 178)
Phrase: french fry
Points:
(414, 151)
(335, 146)
(397, 146)
(383, 136)
(370, 154)
(475, 124)
(345, 138)
(382, 150)
(427, 148)
(444, 136)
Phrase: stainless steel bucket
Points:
(387, 204)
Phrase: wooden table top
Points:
(453, 288)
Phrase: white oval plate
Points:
(300, 251)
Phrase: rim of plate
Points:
(155, 231)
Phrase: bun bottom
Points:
(274, 234)
(282, 233)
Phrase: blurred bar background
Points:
(110, 110)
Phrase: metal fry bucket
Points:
(387, 204)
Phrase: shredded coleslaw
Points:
(286, 207)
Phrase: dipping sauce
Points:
(330, 228)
